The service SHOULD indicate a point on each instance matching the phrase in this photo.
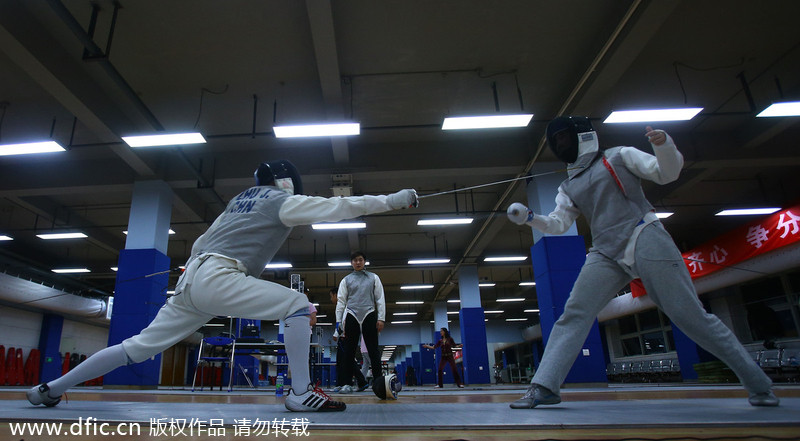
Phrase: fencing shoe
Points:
(313, 400)
(38, 395)
(764, 399)
(535, 396)
(363, 387)
(346, 389)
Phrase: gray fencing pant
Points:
(660, 266)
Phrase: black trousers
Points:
(452, 362)
(352, 341)
(340, 362)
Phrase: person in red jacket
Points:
(447, 344)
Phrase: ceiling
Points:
(234, 69)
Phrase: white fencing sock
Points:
(297, 339)
(98, 364)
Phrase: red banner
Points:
(758, 237)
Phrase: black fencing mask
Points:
(282, 174)
(562, 136)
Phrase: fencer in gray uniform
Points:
(222, 279)
(628, 241)
(360, 311)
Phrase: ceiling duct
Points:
(31, 294)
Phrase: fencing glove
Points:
(403, 199)
(519, 214)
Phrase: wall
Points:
(82, 338)
(20, 329)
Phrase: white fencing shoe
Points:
(38, 395)
(313, 400)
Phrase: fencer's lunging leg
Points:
(600, 279)
(669, 284)
(297, 336)
(98, 364)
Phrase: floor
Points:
(646, 412)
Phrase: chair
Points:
(213, 351)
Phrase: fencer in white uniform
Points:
(628, 241)
(222, 278)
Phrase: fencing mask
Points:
(282, 174)
(386, 387)
(563, 136)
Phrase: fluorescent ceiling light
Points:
(486, 122)
(339, 226)
(505, 259)
(115, 268)
(171, 292)
(527, 283)
(452, 312)
(486, 285)
(531, 310)
(664, 214)
(493, 312)
(315, 130)
(781, 109)
(30, 147)
(453, 221)
(518, 299)
(401, 322)
(324, 324)
(454, 301)
(516, 320)
(278, 265)
(210, 325)
(416, 287)
(344, 263)
(404, 313)
(4, 237)
(321, 315)
(56, 236)
(747, 211)
(654, 115)
(410, 302)
(164, 139)
(427, 261)
(70, 270)
(125, 232)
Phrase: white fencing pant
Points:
(213, 286)
(660, 266)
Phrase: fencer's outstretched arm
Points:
(556, 222)
(662, 168)
(306, 210)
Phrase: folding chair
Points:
(213, 351)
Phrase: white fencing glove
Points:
(519, 214)
(403, 199)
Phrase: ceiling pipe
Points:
(97, 55)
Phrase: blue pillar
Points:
(138, 295)
(49, 345)
(557, 261)
(416, 362)
(475, 351)
(427, 373)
